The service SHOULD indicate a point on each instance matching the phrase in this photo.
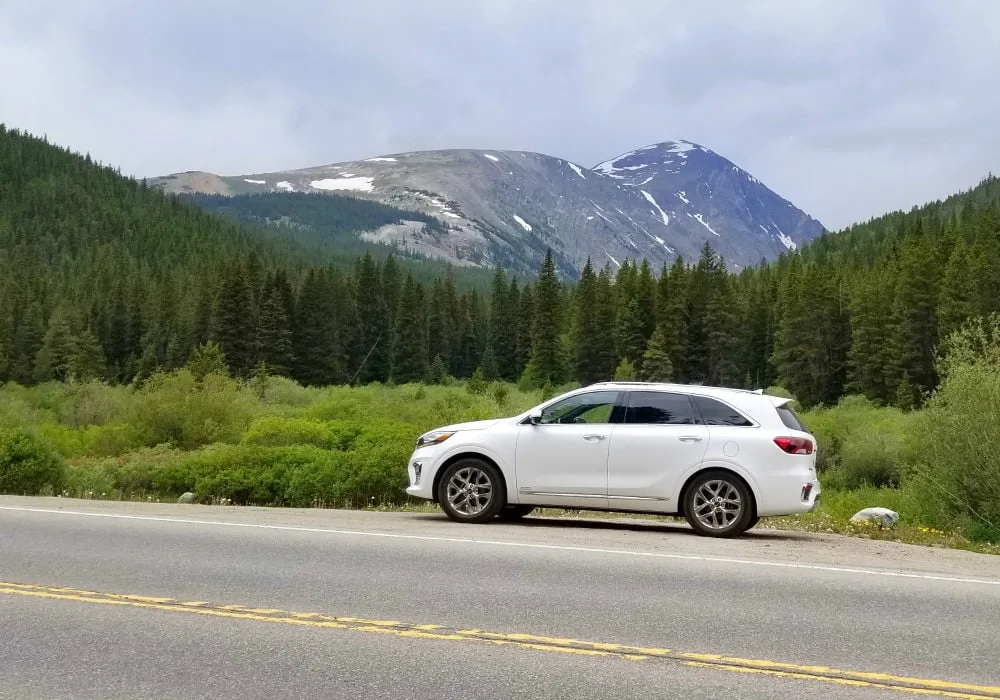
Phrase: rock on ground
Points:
(886, 516)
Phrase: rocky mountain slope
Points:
(507, 207)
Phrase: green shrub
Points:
(28, 465)
(181, 410)
(93, 404)
(871, 457)
(855, 418)
(275, 431)
(89, 481)
(477, 384)
(956, 457)
(501, 392)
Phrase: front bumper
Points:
(421, 475)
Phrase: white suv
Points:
(722, 458)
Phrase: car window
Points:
(790, 420)
(592, 407)
(717, 413)
(660, 408)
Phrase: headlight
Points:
(434, 437)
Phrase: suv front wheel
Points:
(471, 491)
(718, 504)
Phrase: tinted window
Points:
(791, 420)
(717, 413)
(661, 408)
(592, 407)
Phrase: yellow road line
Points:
(919, 686)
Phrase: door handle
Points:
(689, 438)
(592, 437)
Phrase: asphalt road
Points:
(119, 600)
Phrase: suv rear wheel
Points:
(471, 491)
(718, 504)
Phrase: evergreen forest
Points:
(103, 277)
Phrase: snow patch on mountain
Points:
(682, 147)
(682, 195)
(285, 185)
(524, 224)
(491, 157)
(384, 159)
(577, 170)
(698, 217)
(353, 184)
(644, 182)
(255, 182)
(652, 200)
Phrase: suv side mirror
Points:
(535, 417)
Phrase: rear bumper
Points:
(790, 495)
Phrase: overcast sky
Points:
(847, 108)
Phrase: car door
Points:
(660, 437)
(563, 459)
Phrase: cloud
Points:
(847, 109)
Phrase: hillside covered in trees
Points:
(101, 277)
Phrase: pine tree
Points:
(645, 297)
(811, 344)
(488, 368)
(605, 316)
(409, 362)
(868, 362)
(915, 322)
(502, 335)
(588, 345)
(703, 283)
(207, 359)
(274, 332)
(87, 360)
(392, 292)
(438, 372)
(317, 354)
(626, 371)
(510, 368)
(372, 354)
(629, 333)
(547, 363)
(656, 365)
(234, 325)
(671, 310)
(956, 300)
(53, 359)
(525, 324)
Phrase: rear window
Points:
(717, 413)
(791, 420)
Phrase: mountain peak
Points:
(506, 207)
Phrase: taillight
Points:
(794, 445)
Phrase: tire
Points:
(718, 504)
(515, 512)
(471, 491)
(753, 522)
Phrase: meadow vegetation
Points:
(269, 441)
